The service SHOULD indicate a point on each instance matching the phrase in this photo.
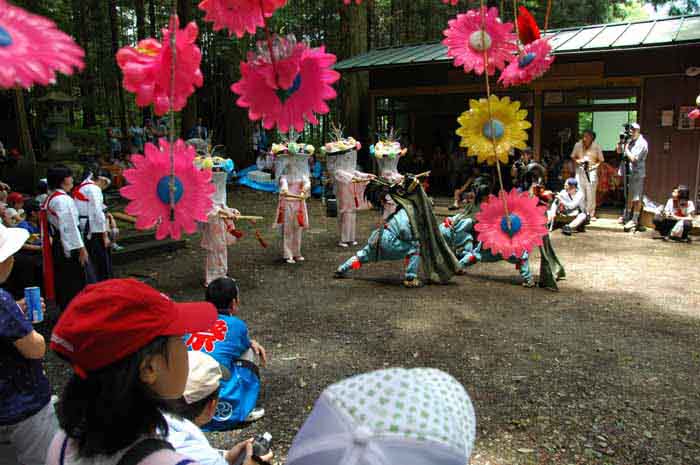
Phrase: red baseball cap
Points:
(15, 197)
(113, 319)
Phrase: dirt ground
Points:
(603, 372)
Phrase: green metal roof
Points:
(587, 39)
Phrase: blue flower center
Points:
(163, 189)
(526, 59)
(284, 94)
(5, 37)
(493, 129)
(515, 225)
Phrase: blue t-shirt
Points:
(24, 389)
(29, 227)
(226, 341)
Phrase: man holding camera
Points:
(634, 149)
(588, 156)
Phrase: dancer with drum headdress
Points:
(349, 183)
(294, 181)
(219, 232)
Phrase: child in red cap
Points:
(124, 342)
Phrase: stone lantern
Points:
(58, 117)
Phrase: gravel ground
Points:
(603, 372)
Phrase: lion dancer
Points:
(349, 184)
(294, 188)
(462, 238)
(411, 236)
(219, 232)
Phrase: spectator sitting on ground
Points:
(233, 349)
(418, 416)
(110, 410)
(572, 204)
(31, 224)
(27, 418)
(463, 193)
(42, 191)
(15, 200)
(12, 217)
(676, 220)
(196, 408)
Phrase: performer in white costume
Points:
(219, 231)
(349, 184)
(292, 167)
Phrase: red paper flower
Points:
(32, 49)
(695, 114)
(149, 193)
(147, 68)
(288, 91)
(533, 62)
(468, 36)
(239, 16)
(528, 224)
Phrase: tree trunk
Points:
(353, 23)
(152, 17)
(140, 10)
(189, 113)
(86, 80)
(114, 28)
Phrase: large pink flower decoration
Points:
(32, 49)
(239, 16)
(694, 114)
(147, 68)
(289, 91)
(467, 37)
(534, 60)
(149, 190)
(527, 224)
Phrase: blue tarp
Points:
(244, 180)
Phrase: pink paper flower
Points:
(146, 68)
(149, 193)
(534, 60)
(239, 16)
(289, 91)
(451, 2)
(348, 2)
(528, 224)
(695, 114)
(467, 38)
(32, 49)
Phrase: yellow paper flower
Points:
(507, 127)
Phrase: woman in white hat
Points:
(27, 417)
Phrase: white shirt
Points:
(63, 216)
(572, 204)
(687, 211)
(189, 440)
(593, 155)
(91, 210)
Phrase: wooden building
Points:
(603, 76)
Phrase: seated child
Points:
(196, 408)
(228, 342)
(123, 342)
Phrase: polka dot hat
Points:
(420, 416)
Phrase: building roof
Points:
(577, 40)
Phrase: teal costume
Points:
(411, 234)
(459, 233)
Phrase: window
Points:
(606, 124)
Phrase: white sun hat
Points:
(11, 240)
(420, 416)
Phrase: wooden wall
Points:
(677, 163)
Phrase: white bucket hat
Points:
(11, 240)
(420, 416)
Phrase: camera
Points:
(261, 446)
(626, 134)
